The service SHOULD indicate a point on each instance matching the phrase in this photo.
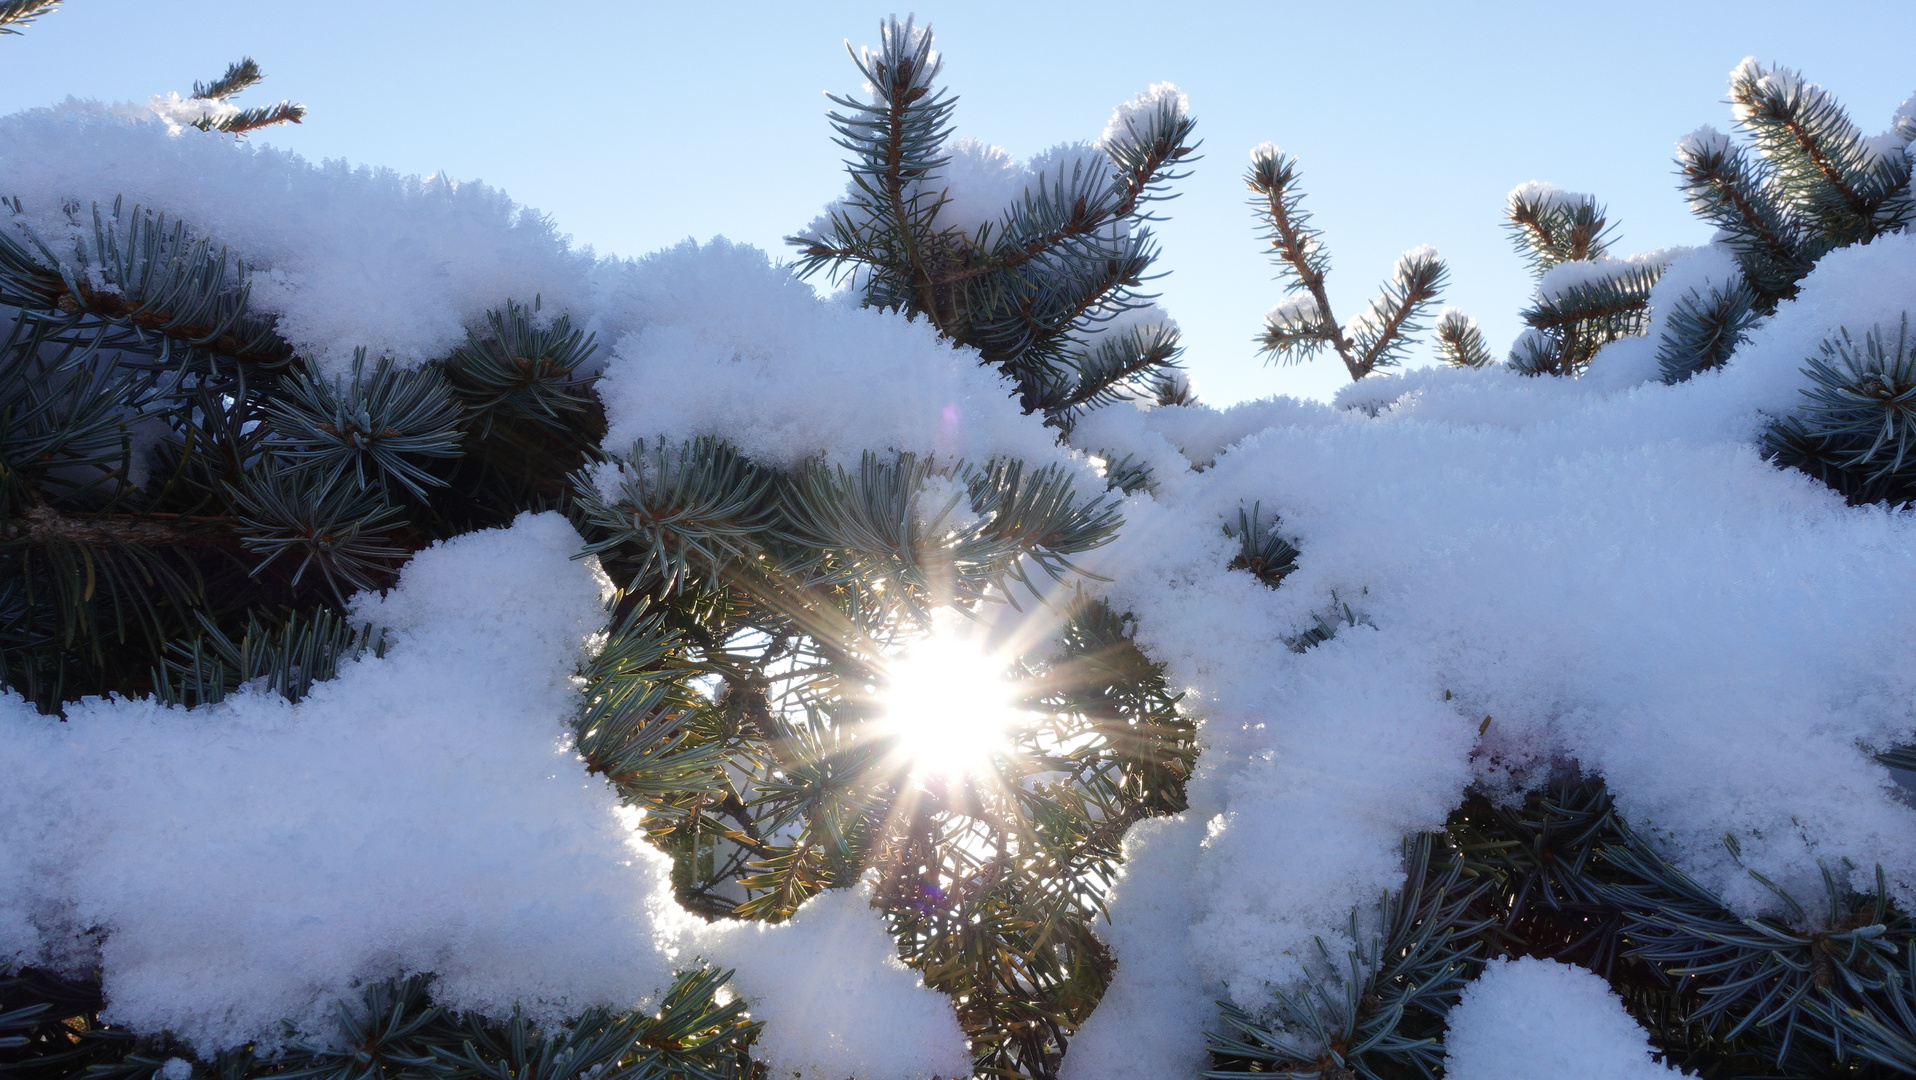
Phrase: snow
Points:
(1530, 1019)
(836, 1000)
(179, 113)
(1903, 122)
(1580, 273)
(1704, 141)
(256, 860)
(1602, 567)
(1294, 311)
(1607, 570)
(343, 256)
(1137, 116)
(1151, 1022)
(978, 182)
(1546, 196)
(799, 376)
(1779, 82)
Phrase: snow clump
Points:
(1529, 1019)
(256, 859)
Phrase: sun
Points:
(947, 705)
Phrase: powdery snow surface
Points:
(1606, 570)
(836, 1000)
(1536, 1019)
(254, 860)
(344, 256)
(729, 344)
(1134, 117)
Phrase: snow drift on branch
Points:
(344, 256)
(256, 860)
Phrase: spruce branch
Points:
(1549, 226)
(897, 140)
(1263, 552)
(341, 529)
(15, 14)
(1380, 1011)
(1116, 365)
(634, 730)
(1302, 325)
(1381, 335)
(1295, 328)
(1849, 190)
(1145, 152)
(1460, 343)
(1702, 329)
(377, 424)
(238, 77)
(287, 659)
(520, 370)
(1729, 190)
(681, 513)
(1791, 981)
(151, 529)
(1857, 431)
(1072, 250)
(1581, 306)
(245, 120)
(152, 281)
(218, 115)
(1173, 387)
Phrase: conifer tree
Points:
(186, 504)
(758, 606)
(1825, 988)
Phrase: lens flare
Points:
(947, 705)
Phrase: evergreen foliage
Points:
(1823, 991)
(1808, 182)
(1303, 325)
(50, 1030)
(1813, 183)
(1702, 329)
(15, 14)
(1032, 289)
(1460, 343)
(185, 505)
(757, 607)
(219, 115)
(1584, 301)
(1377, 1012)
(1855, 431)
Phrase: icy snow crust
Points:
(1602, 567)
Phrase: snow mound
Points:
(1534, 1019)
(836, 1000)
(255, 860)
(1523, 575)
(343, 256)
(731, 345)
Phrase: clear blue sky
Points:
(638, 124)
